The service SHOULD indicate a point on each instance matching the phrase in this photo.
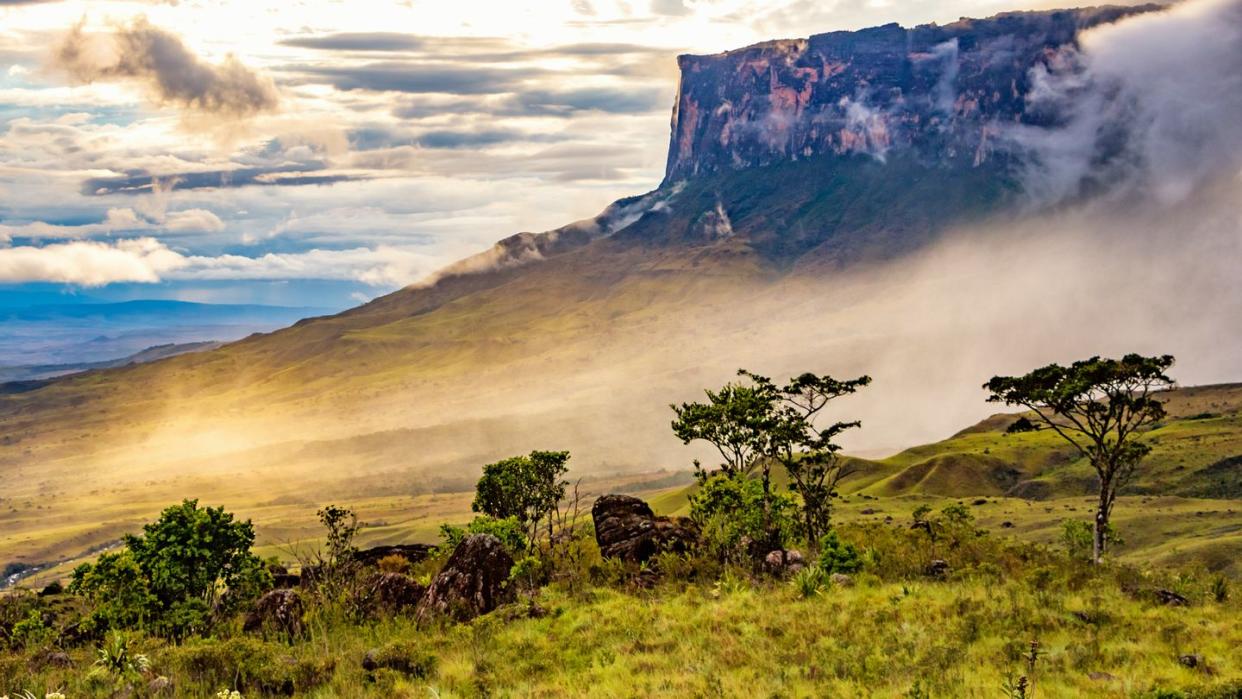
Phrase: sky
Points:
(324, 153)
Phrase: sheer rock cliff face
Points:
(940, 92)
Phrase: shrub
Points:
(172, 576)
(810, 581)
(117, 660)
(1220, 589)
(394, 563)
(524, 488)
(836, 556)
(117, 587)
(1076, 538)
(509, 530)
(405, 657)
(249, 665)
(30, 632)
(730, 513)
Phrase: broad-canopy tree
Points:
(1099, 406)
(734, 420)
(526, 488)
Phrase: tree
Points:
(174, 575)
(526, 488)
(808, 453)
(734, 420)
(758, 424)
(1098, 406)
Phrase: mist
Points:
(1145, 107)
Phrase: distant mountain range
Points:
(20, 379)
(73, 332)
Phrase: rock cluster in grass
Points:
(627, 529)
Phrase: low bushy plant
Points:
(510, 531)
(837, 556)
(730, 515)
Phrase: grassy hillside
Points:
(601, 629)
(1194, 454)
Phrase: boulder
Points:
(1170, 598)
(392, 593)
(285, 581)
(783, 563)
(279, 612)
(626, 528)
(474, 581)
(51, 659)
(937, 569)
(841, 580)
(1191, 661)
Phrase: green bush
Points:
(249, 665)
(172, 577)
(730, 514)
(509, 530)
(1077, 538)
(810, 581)
(404, 657)
(837, 556)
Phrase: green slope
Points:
(1196, 452)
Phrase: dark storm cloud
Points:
(145, 183)
(157, 58)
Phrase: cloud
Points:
(120, 220)
(477, 139)
(670, 8)
(438, 46)
(601, 99)
(284, 176)
(1145, 107)
(359, 41)
(147, 260)
(563, 103)
(89, 263)
(414, 77)
(159, 60)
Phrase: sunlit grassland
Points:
(951, 639)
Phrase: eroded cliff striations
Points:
(941, 92)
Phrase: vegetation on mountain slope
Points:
(1192, 450)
